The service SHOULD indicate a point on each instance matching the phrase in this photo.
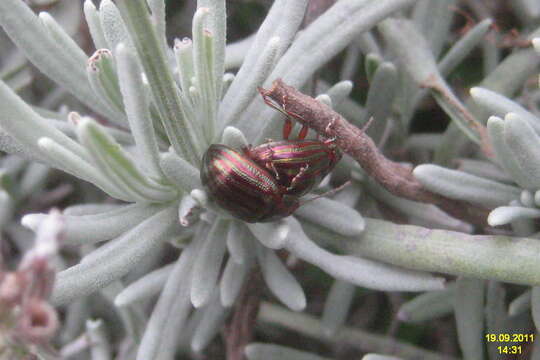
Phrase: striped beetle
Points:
(244, 188)
(264, 183)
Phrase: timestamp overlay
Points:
(509, 343)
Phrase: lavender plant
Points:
(149, 112)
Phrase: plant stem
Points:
(394, 177)
(362, 340)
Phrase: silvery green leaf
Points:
(496, 131)
(260, 351)
(355, 17)
(349, 66)
(433, 19)
(535, 306)
(144, 287)
(172, 309)
(7, 208)
(519, 135)
(234, 103)
(282, 21)
(462, 186)
(180, 131)
(506, 214)
(33, 179)
(380, 97)
(526, 198)
(234, 138)
(317, 45)
(469, 314)
(337, 306)
(180, 172)
(208, 264)
(417, 212)
(272, 235)
(526, 10)
(379, 357)
(348, 196)
(201, 197)
(371, 63)
(232, 280)
(113, 27)
(100, 348)
(119, 166)
(62, 158)
(90, 209)
(520, 304)
(76, 314)
(87, 229)
(217, 23)
(104, 81)
(499, 105)
(31, 36)
(133, 317)
(325, 99)
(188, 210)
(203, 61)
(85, 278)
(227, 81)
(64, 41)
(484, 169)
(340, 91)
(15, 72)
(509, 259)
(356, 270)
(183, 51)
(183, 339)
(238, 242)
(236, 51)
(30, 127)
(69, 129)
(428, 306)
(495, 314)
(280, 281)
(536, 44)
(351, 110)
(137, 110)
(94, 25)
(210, 325)
(419, 63)
(462, 47)
(157, 7)
(333, 215)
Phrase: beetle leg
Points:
(270, 163)
(268, 101)
(287, 128)
(298, 177)
(328, 193)
(367, 124)
(303, 132)
(329, 128)
(273, 168)
(247, 149)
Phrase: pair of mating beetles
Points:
(264, 183)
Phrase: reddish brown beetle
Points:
(264, 183)
(243, 188)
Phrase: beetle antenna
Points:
(329, 192)
(367, 124)
(270, 102)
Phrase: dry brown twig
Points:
(239, 331)
(394, 177)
